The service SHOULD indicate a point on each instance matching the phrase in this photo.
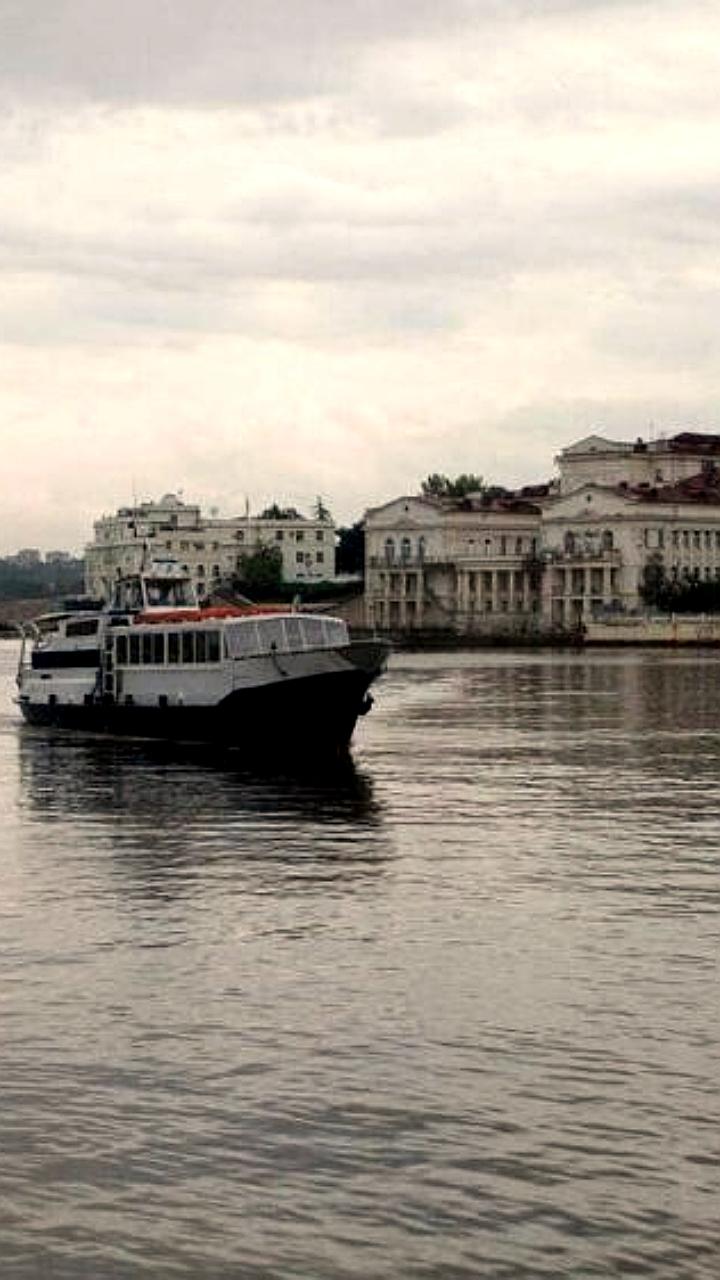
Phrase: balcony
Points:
(398, 563)
(582, 555)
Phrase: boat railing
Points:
(28, 633)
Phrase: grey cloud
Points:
(227, 51)
(544, 427)
(201, 50)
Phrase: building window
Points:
(503, 545)
(299, 557)
(518, 546)
(389, 550)
(279, 535)
(607, 540)
(696, 539)
(319, 535)
(300, 536)
(319, 557)
(405, 549)
(569, 543)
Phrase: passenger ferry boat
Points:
(153, 663)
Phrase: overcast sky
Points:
(281, 248)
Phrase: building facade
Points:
(554, 557)
(651, 463)
(209, 548)
(599, 544)
(430, 564)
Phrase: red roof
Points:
(704, 487)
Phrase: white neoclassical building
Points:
(635, 464)
(430, 563)
(208, 547)
(599, 542)
(555, 556)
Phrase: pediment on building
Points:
(403, 513)
(595, 444)
(590, 501)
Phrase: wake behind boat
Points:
(153, 663)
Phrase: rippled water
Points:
(450, 1013)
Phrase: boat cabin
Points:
(162, 586)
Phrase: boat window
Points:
(147, 646)
(158, 647)
(213, 646)
(86, 627)
(272, 634)
(121, 650)
(167, 593)
(293, 631)
(336, 632)
(201, 646)
(188, 647)
(313, 631)
(242, 639)
(173, 647)
(134, 650)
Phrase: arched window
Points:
(389, 550)
(405, 549)
(607, 540)
(569, 542)
(421, 548)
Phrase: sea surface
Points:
(452, 1011)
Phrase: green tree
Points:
(259, 572)
(688, 593)
(654, 585)
(438, 485)
(350, 553)
(320, 511)
(276, 512)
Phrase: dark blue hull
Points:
(316, 714)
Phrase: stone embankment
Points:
(673, 629)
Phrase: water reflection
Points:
(449, 1013)
(166, 814)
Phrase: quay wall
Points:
(677, 629)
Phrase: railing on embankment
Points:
(673, 629)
